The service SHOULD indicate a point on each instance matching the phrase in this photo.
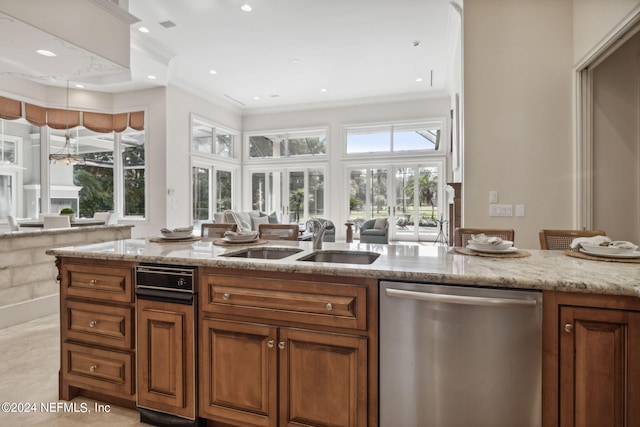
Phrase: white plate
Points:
(505, 244)
(634, 254)
(179, 236)
(247, 239)
(492, 251)
(606, 250)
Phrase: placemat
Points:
(221, 242)
(578, 254)
(519, 253)
(186, 239)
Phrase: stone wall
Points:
(28, 286)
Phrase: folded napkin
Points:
(595, 240)
(483, 238)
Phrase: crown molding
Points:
(116, 11)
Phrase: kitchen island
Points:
(276, 300)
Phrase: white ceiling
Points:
(282, 53)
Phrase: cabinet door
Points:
(599, 367)
(166, 357)
(238, 373)
(323, 379)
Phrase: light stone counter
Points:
(423, 262)
(28, 287)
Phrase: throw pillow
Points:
(380, 223)
(245, 220)
(257, 220)
(273, 218)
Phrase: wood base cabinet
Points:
(97, 331)
(259, 369)
(166, 357)
(592, 360)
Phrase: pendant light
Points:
(66, 155)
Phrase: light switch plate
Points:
(500, 210)
(493, 197)
(519, 210)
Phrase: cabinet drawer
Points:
(99, 282)
(319, 303)
(98, 370)
(99, 324)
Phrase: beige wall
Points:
(594, 20)
(518, 114)
(616, 185)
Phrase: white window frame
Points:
(439, 122)
(287, 132)
(215, 127)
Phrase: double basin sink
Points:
(334, 256)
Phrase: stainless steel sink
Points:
(343, 257)
(264, 253)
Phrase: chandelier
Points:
(66, 155)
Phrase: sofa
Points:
(375, 231)
(248, 221)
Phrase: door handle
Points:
(460, 299)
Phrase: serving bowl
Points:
(500, 246)
(177, 233)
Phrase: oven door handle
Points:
(460, 299)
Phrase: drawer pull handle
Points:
(271, 343)
(93, 323)
(568, 328)
(93, 282)
(93, 368)
(226, 297)
(329, 306)
(281, 345)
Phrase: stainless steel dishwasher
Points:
(459, 356)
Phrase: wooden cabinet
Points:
(591, 365)
(288, 351)
(97, 331)
(166, 357)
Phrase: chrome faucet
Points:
(318, 229)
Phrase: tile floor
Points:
(29, 364)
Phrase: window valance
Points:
(55, 118)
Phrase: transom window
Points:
(394, 138)
(288, 144)
(207, 138)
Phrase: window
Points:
(288, 144)
(212, 191)
(207, 138)
(394, 138)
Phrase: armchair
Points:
(370, 234)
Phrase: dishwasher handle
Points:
(460, 299)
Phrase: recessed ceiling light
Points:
(246, 8)
(44, 52)
(143, 29)
(256, 97)
(213, 72)
(419, 79)
(151, 77)
(79, 86)
(295, 61)
(323, 90)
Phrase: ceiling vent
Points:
(168, 24)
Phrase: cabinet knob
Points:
(281, 345)
(271, 343)
(93, 282)
(93, 368)
(226, 297)
(329, 306)
(93, 323)
(568, 328)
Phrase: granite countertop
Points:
(35, 232)
(422, 262)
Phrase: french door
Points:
(212, 189)
(296, 194)
(407, 195)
